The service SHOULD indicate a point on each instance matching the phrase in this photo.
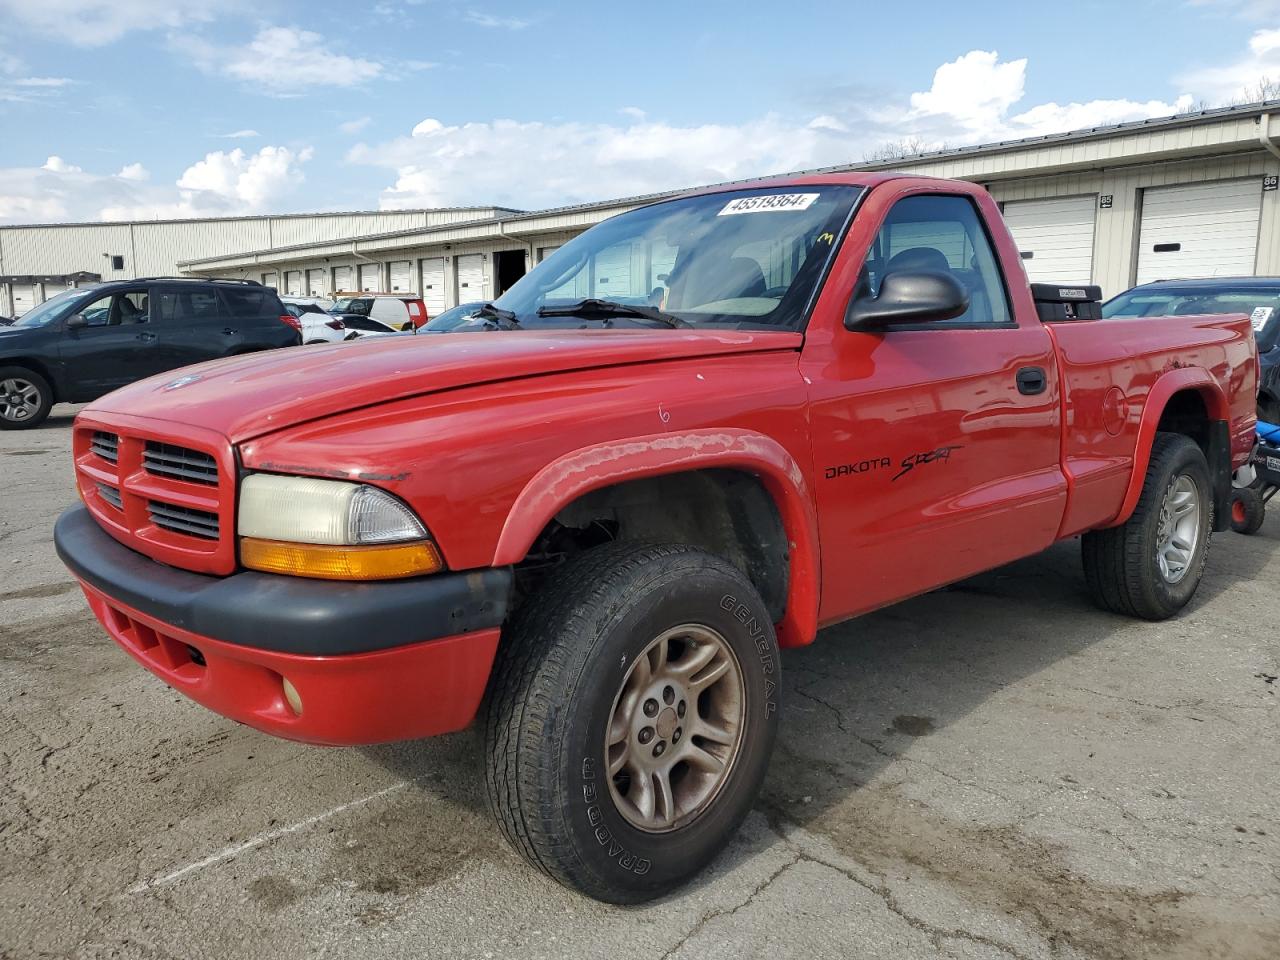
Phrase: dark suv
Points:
(89, 341)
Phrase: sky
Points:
(143, 109)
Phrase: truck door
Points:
(936, 445)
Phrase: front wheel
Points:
(25, 398)
(631, 717)
(1150, 565)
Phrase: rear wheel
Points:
(630, 719)
(25, 398)
(1247, 510)
(1150, 565)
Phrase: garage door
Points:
(270, 280)
(52, 289)
(544, 252)
(370, 276)
(1055, 237)
(342, 280)
(433, 285)
(470, 277)
(1199, 230)
(24, 298)
(293, 282)
(401, 272)
(316, 286)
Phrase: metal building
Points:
(1193, 195)
(1186, 196)
(38, 261)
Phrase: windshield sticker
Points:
(1260, 316)
(773, 203)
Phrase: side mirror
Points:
(921, 297)
(76, 321)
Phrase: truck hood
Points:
(246, 397)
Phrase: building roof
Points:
(250, 216)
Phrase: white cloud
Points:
(239, 135)
(972, 99)
(43, 82)
(489, 20)
(58, 165)
(635, 113)
(472, 163)
(221, 184)
(355, 126)
(95, 23)
(1231, 82)
(249, 180)
(279, 60)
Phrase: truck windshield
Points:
(745, 258)
(53, 308)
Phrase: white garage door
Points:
(370, 276)
(270, 280)
(293, 283)
(470, 277)
(24, 298)
(52, 289)
(401, 275)
(316, 286)
(1199, 230)
(433, 285)
(544, 252)
(1055, 237)
(342, 280)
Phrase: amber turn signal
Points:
(382, 562)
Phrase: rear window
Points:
(252, 302)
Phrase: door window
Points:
(945, 235)
(251, 302)
(109, 311)
(186, 306)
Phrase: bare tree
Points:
(1264, 88)
(901, 149)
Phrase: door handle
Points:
(1031, 380)
(146, 336)
(228, 332)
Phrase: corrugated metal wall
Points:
(155, 249)
(1116, 236)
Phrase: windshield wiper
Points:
(591, 307)
(497, 318)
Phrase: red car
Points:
(695, 434)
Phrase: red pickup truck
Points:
(698, 432)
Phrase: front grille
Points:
(179, 463)
(106, 445)
(196, 523)
(168, 496)
(111, 495)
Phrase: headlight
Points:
(330, 529)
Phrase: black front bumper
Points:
(287, 614)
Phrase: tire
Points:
(25, 398)
(557, 693)
(1121, 567)
(1247, 510)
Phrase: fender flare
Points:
(566, 479)
(1174, 381)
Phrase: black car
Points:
(1259, 297)
(89, 341)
